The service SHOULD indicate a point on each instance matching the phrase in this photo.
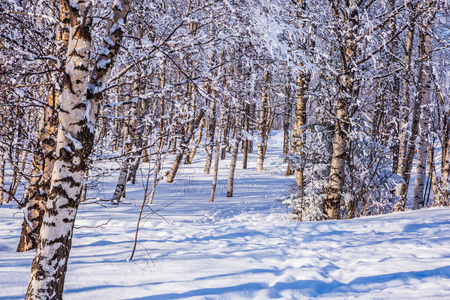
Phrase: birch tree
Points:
(424, 92)
(77, 114)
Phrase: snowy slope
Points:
(238, 248)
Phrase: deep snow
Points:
(243, 247)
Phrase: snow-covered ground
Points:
(238, 248)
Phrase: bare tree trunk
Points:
(347, 90)
(117, 121)
(287, 124)
(303, 81)
(263, 124)
(184, 147)
(395, 95)
(211, 134)
(226, 134)
(245, 149)
(252, 117)
(432, 182)
(50, 263)
(405, 99)
(406, 165)
(137, 133)
(405, 168)
(121, 183)
(38, 188)
(2, 174)
(129, 131)
(299, 135)
(286, 119)
(217, 158)
(443, 198)
(17, 177)
(191, 95)
(235, 152)
(74, 144)
(424, 95)
(190, 157)
(233, 162)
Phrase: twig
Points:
(98, 226)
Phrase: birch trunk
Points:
(405, 99)
(286, 125)
(424, 95)
(17, 177)
(226, 134)
(38, 188)
(190, 157)
(57, 227)
(2, 174)
(443, 198)
(286, 119)
(184, 147)
(395, 95)
(245, 145)
(300, 121)
(162, 136)
(252, 128)
(233, 163)
(406, 166)
(347, 91)
(235, 151)
(217, 158)
(191, 95)
(74, 144)
(263, 124)
(211, 136)
(303, 81)
(128, 132)
(137, 132)
(117, 122)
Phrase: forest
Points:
(341, 108)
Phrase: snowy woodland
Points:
(224, 149)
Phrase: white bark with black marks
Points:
(424, 96)
(78, 113)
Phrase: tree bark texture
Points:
(217, 157)
(405, 98)
(38, 188)
(75, 138)
(424, 96)
(263, 120)
(347, 90)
